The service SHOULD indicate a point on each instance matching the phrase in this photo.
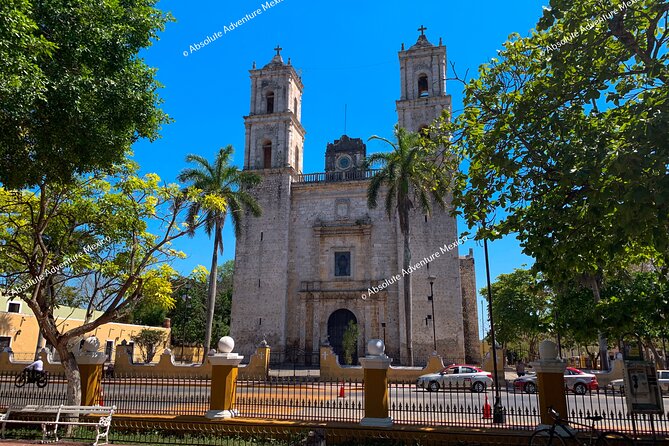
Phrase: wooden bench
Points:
(44, 415)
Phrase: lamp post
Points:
(431, 279)
(498, 410)
(183, 339)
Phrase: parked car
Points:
(574, 379)
(456, 376)
(618, 385)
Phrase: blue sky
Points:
(346, 52)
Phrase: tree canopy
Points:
(567, 145)
(74, 93)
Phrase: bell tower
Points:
(274, 133)
(423, 84)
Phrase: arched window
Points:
(295, 106)
(423, 86)
(270, 102)
(267, 155)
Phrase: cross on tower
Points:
(422, 30)
(278, 50)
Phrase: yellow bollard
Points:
(375, 366)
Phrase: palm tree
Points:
(223, 191)
(409, 173)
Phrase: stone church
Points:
(302, 268)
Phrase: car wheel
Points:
(433, 386)
(478, 387)
(530, 388)
(580, 389)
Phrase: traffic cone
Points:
(341, 391)
(487, 410)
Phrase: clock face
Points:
(344, 162)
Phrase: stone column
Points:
(375, 366)
(550, 382)
(91, 362)
(225, 367)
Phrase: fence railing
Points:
(349, 175)
(458, 405)
(300, 398)
(611, 405)
(55, 392)
(309, 399)
(159, 396)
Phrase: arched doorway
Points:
(337, 323)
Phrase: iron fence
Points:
(300, 398)
(157, 395)
(55, 392)
(457, 405)
(612, 407)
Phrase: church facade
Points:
(303, 270)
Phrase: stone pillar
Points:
(550, 382)
(90, 362)
(225, 367)
(375, 366)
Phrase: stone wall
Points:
(259, 307)
(470, 309)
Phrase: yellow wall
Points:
(23, 330)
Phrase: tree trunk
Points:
(72, 374)
(656, 356)
(602, 341)
(211, 300)
(407, 299)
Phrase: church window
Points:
(295, 106)
(342, 263)
(297, 159)
(267, 154)
(422, 86)
(270, 102)
(261, 235)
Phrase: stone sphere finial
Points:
(548, 350)
(375, 347)
(226, 344)
(91, 344)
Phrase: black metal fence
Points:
(300, 398)
(55, 392)
(158, 395)
(612, 406)
(457, 405)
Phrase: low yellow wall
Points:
(332, 371)
(258, 366)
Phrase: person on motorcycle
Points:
(34, 370)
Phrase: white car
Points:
(618, 385)
(456, 376)
(574, 379)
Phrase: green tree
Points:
(350, 342)
(520, 308)
(636, 305)
(91, 236)
(569, 147)
(412, 179)
(74, 92)
(224, 189)
(148, 342)
(188, 317)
